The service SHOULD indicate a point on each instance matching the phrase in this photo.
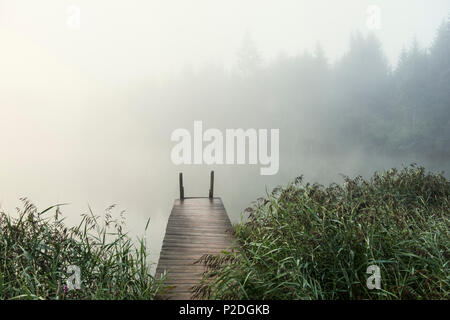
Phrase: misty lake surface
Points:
(96, 157)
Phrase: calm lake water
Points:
(97, 155)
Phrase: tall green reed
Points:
(307, 241)
(36, 249)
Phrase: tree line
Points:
(359, 101)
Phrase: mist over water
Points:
(104, 155)
(75, 129)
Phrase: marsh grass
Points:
(36, 248)
(307, 241)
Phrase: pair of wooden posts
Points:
(211, 186)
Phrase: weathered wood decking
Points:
(196, 226)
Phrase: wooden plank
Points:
(196, 226)
(185, 250)
(197, 237)
(185, 275)
(178, 257)
(197, 232)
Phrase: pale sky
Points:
(140, 39)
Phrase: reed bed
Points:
(307, 241)
(36, 249)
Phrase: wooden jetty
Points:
(196, 226)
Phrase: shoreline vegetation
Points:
(302, 241)
(37, 250)
(308, 241)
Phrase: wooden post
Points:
(181, 187)
(211, 186)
